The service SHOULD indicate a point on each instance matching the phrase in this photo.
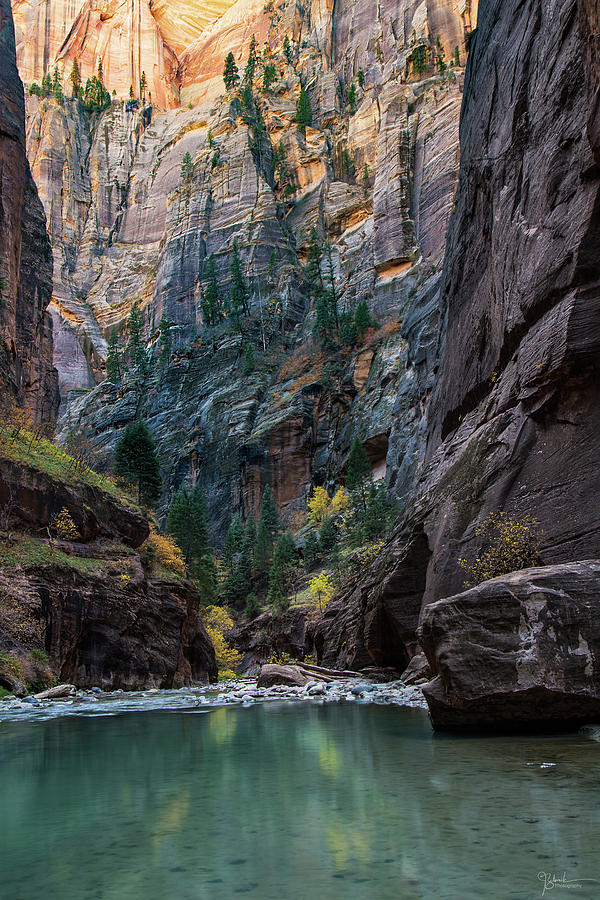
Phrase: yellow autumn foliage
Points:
(321, 589)
(341, 502)
(218, 624)
(318, 505)
(511, 545)
(166, 552)
(321, 505)
(65, 527)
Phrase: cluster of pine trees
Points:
(258, 559)
(331, 328)
(357, 515)
(134, 358)
(93, 95)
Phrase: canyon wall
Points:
(128, 38)
(26, 368)
(513, 420)
(377, 183)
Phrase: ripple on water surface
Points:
(290, 802)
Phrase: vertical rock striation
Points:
(26, 367)
(504, 394)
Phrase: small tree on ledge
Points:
(65, 527)
(231, 75)
(303, 109)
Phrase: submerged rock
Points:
(518, 651)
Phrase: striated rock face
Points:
(521, 649)
(500, 411)
(26, 368)
(106, 622)
(32, 499)
(124, 228)
(126, 37)
(289, 632)
(374, 620)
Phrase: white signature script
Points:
(550, 881)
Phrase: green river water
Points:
(291, 802)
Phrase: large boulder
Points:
(519, 651)
(271, 674)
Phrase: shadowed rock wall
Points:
(504, 393)
(26, 367)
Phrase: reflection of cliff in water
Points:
(346, 800)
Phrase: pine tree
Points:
(419, 59)
(456, 56)
(187, 168)
(262, 550)
(247, 549)
(323, 325)
(287, 49)
(233, 541)
(131, 93)
(211, 302)
(136, 461)
(359, 471)
(249, 360)
(361, 78)
(284, 564)
(76, 80)
(143, 86)
(378, 512)
(331, 293)
(268, 513)
(303, 109)
(269, 76)
(312, 550)
(56, 85)
(113, 359)
(252, 609)
(165, 340)
(230, 72)
(251, 64)
(187, 523)
(327, 536)
(362, 318)
(239, 291)
(135, 348)
(352, 99)
(313, 263)
(348, 333)
(250, 531)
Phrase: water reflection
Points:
(286, 802)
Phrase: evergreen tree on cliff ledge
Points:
(136, 461)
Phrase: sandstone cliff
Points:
(104, 612)
(128, 38)
(26, 369)
(377, 183)
(512, 423)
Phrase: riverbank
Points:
(243, 691)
